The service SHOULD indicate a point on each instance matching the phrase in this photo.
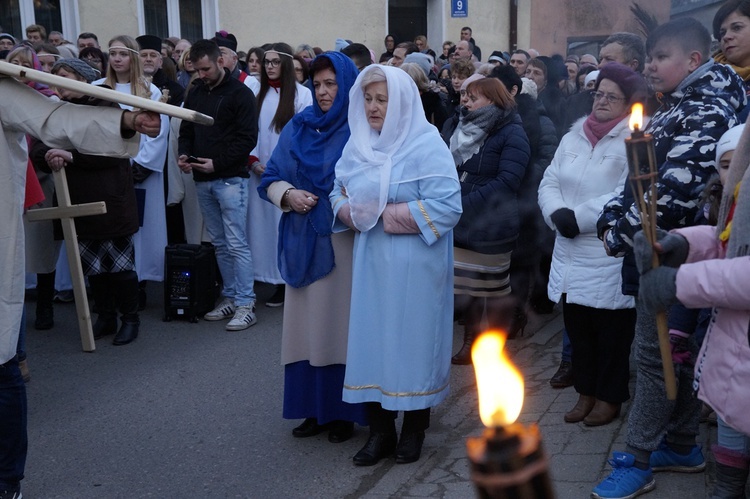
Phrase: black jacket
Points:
(234, 133)
(490, 181)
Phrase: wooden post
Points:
(66, 212)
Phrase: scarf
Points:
(39, 87)
(306, 156)
(474, 128)
(595, 129)
(744, 72)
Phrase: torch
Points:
(507, 461)
(643, 176)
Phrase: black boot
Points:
(518, 323)
(102, 289)
(127, 299)
(463, 357)
(732, 469)
(45, 294)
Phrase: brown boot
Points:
(602, 413)
(581, 410)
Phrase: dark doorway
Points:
(407, 19)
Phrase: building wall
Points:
(553, 22)
(118, 18)
(319, 23)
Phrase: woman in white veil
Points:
(396, 187)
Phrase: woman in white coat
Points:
(280, 98)
(589, 166)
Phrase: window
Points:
(10, 18)
(181, 18)
(47, 13)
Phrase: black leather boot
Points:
(126, 286)
(45, 294)
(104, 305)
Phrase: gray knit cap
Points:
(81, 67)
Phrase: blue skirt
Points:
(315, 392)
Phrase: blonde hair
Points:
(23, 52)
(417, 74)
(139, 85)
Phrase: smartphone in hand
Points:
(193, 159)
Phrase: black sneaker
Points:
(277, 300)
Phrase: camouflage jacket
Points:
(685, 130)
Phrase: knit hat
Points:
(592, 76)
(421, 60)
(341, 43)
(631, 83)
(728, 142)
(80, 67)
(497, 56)
(7, 36)
(224, 39)
(149, 42)
(474, 77)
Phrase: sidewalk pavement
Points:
(578, 454)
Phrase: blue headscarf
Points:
(309, 147)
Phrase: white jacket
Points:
(583, 178)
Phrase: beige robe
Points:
(91, 130)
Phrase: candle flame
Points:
(499, 383)
(636, 117)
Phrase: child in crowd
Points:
(716, 273)
(693, 91)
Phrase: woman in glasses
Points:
(590, 165)
(280, 98)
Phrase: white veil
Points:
(372, 161)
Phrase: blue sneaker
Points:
(665, 459)
(626, 481)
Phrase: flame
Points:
(499, 383)
(636, 117)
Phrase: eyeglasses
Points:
(612, 99)
(274, 63)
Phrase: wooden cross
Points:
(66, 212)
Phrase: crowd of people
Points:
(385, 198)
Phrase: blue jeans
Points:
(567, 347)
(732, 439)
(13, 438)
(223, 203)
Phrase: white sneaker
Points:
(243, 318)
(223, 310)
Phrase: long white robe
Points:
(263, 217)
(92, 130)
(151, 239)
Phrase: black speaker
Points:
(190, 284)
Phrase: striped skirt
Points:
(108, 256)
(480, 275)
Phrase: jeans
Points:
(567, 347)
(13, 438)
(732, 439)
(223, 203)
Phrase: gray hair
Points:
(375, 75)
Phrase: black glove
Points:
(657, 289)
(565, 221)
(140, 173)
(674, 252)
